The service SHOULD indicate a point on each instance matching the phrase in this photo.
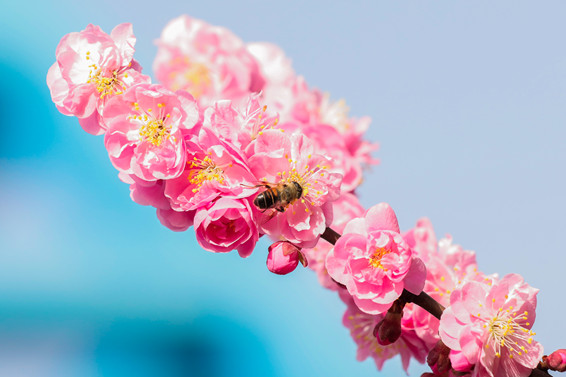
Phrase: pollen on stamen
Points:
(206, 170)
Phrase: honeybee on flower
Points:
(282, 159)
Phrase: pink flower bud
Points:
(556, 360)
(388, 330)
(284, 257)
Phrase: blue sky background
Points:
(467, 101)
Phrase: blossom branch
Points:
(539, 373)
(197, 154)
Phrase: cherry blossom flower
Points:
(146, 128)
(91, 68)
(240, 125)
(374, 262)
(278, 159)
(214, 168)
(491, 326)
(227, 224)
(209, 62)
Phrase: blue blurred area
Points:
(468, 104)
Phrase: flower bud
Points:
(283, 257)
(556, 360)
(438, 359)
(388, 330)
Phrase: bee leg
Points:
(280, 209)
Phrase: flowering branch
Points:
(202, 148)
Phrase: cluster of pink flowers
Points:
(201, 145)
(233, 143)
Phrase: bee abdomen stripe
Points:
(269, 199)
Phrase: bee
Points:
(278, 196)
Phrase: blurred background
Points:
(468, 104)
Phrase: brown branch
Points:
(331, 235)
(424, 301)
(539, 373)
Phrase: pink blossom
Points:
(374, 262)
(491, 326)
(214, 168)
(146, 128)
(278, 159)
(362, 327)
(227, 224)
(346, 208)
(209, 62)
(283, 257)
(91, 68)
(239, 125)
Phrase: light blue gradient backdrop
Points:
(467, 101)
